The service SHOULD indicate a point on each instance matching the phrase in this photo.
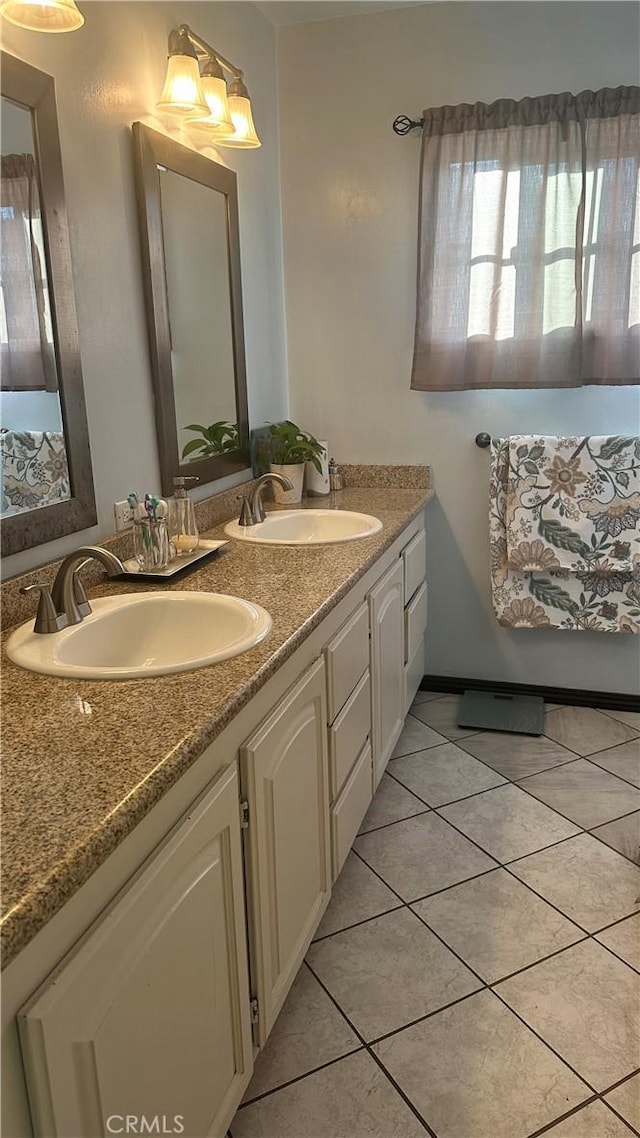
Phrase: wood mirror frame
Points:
(153, 149)
(35, 90)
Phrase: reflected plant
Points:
(219, 438)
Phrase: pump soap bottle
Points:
(183, 531)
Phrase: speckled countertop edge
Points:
(78, 780)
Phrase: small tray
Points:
(205, 548)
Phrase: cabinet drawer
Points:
(347, 658)
(415, 623)
(413, 673)
(414, 556)
(350, 809)
(348, 734)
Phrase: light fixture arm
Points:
(206, 49)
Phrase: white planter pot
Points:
(295, 474)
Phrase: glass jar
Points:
(151, 546)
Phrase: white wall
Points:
(350, 215)
(108, 75)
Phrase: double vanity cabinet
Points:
(149, 994)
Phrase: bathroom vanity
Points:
(173, 842)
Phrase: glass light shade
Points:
(218, 121)
(45, 16)
(182, 92)
(245, 135)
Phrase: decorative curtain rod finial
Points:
(403, 125)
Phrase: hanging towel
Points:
(531, 586)
(573, 503)
(33, 470)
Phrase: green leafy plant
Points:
(219, 438)
(290, 445)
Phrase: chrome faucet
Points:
(252, 510)
(65, 602)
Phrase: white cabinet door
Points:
(285, 772)
(386, 602)
(148, 1016)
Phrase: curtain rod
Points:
(403, 124)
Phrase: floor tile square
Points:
(622, 835)
(624, 940)
(416, 736)
(443, 774)
(631, 718)
(357, 896)
(420, 855)
(587, 881)
(516, 756)
(585, 730)
(626, 1100)
(475, 1071)
(623, 760)
(441, 714)
(593, 1121)
(389, 972)
(425, 696)
(583, 1003)
(391, 803)
(584, 793)
(508, 823)
(496, 924)
(308, 1033)
(350, 1099)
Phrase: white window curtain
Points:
(26, 343)
(529, 246)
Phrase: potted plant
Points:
(219, 438)
(291, 448)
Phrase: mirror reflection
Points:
(34, 471)
(195, 233)
(190, 242)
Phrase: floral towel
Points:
(580, 497)
(34, 470)
(536, 590)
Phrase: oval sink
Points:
(307, 527)
(134, 635)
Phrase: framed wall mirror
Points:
(46, 482)
(188, 209)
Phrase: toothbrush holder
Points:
(151, 546)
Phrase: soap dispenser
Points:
(183, 531)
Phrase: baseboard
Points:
(615, 701)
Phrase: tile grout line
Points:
(371, 1053)
(304, 1075)
(591, 759)
(569, 1114)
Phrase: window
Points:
(529, 256)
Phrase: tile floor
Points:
(477, 973)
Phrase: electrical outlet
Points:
(124, 517)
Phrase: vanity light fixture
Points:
(43, 16)
(195, 89)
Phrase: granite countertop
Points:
(84, 761)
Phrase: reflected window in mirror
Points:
(34, 471)
(191, 254)
(46, 487)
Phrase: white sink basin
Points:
(306, 527)
(134, 635)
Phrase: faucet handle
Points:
(47, 617)
(246, 513)
(79, 592)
